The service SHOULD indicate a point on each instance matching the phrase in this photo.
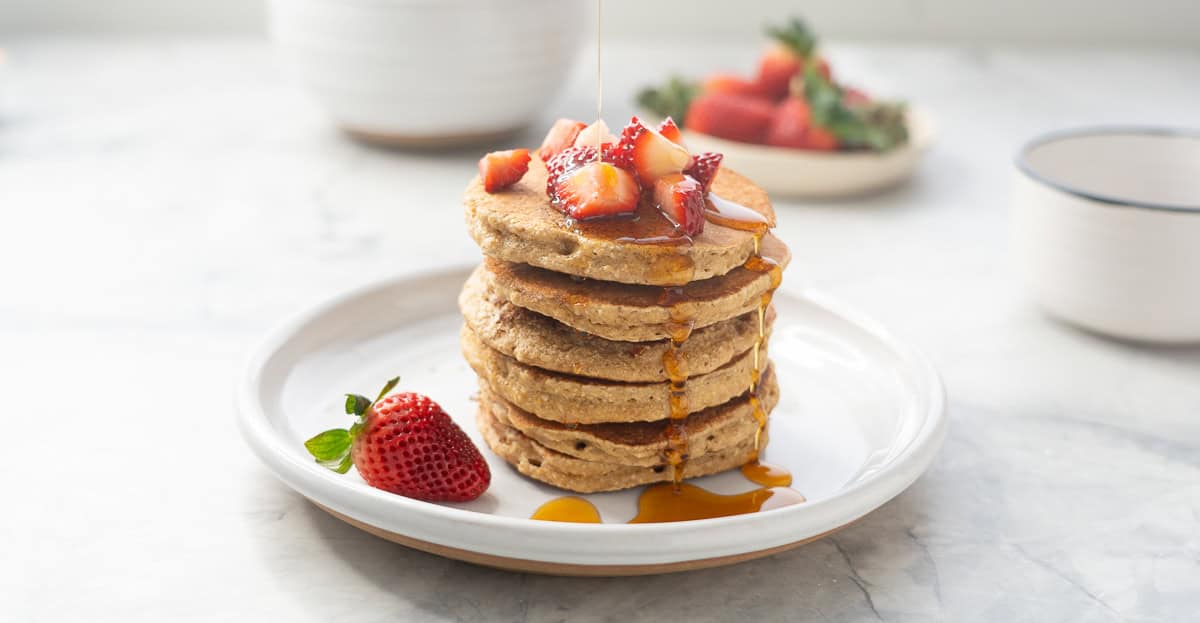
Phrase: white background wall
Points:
(1150, 22)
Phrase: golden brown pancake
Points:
(567, 472)
(575, 399)
(638, 443)
(541, 341)
(633, 313)
(519, 225)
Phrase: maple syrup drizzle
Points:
(767, 475)
(599, 79)
(668, 248)
(726, 213)
(666, 503)
(569, 509)
(675, 365)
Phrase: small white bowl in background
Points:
(430, 72)
(1107, 230)
(787, 172)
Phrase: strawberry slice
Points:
(671, 131)
(734, 117)
(501, 169)
(596, 190)
(561, 136)
(594, 135)
(650, 154)
(734, 85)
(704, 170)
(790, 123)
(681, 199)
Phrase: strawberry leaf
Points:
(356, 404)
(330, 445)
(670, 100)
(796, 36)
(344, 466)
(878, 126)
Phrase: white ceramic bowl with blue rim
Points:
(1106, 228)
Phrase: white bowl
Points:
(1107, 230)
(821, 174)
(430, 71)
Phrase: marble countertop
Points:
(163, 202)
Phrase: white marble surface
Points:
(164, 202)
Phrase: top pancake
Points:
(519, 225)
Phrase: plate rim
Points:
(304, 476)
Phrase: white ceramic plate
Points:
(807, 173)
(861, 416)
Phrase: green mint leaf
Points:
(356, 404)
(391, 384)
(330, 445)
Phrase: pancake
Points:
(519, 225)
(638, 443)
(540, 341)
(575, 399)
(567, 472)
(631, 313)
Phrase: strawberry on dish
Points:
(405, 444)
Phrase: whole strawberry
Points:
(405, 444)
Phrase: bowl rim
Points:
(1025, 168)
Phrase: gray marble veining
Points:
(165, 201)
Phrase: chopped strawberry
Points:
(561, 136)
(594, 135)
(705, 168)
(570, 159)
(595, 190)
(681, 199)
(501, 169)
(775, 70)
(729, 83)
(671, 131)
(405, 444)
(789, 124)
(650, 154)
(820, 139)
(735, 117)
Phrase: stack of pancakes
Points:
(615, 353)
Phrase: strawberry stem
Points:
(391, 384)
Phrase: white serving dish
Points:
(822, 174)
(430, 71)
(861, 416)
(1107, 230)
